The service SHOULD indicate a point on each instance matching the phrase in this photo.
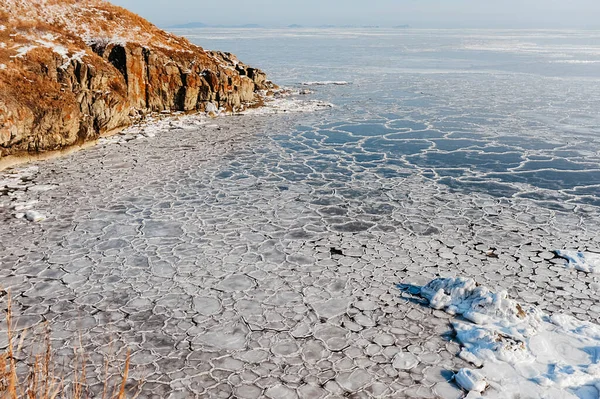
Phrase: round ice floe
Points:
(470, 380)
(42, 187)
(34, 216)
(405, 361)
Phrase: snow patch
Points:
(575, 62)
(152, 126)
(34, 216)
(521, 352)
(16, 186)
(40, 188)
(326, 83)
(2, 27)
(22, 206)
(78, 56)
(470, 380)
(22, 51)
(283, 105)
(584, 261)
(2, 67)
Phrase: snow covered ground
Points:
(518, 351)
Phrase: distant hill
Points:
(249, 26)
(191, 25)
(295, 26)
(401, 26)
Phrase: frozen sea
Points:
(507, 113)
(259, 256)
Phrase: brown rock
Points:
(75, 84)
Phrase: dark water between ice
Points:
(508, 113)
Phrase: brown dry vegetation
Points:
(32, 375)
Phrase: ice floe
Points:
(520, 351)
(288, 105)
(584, 261)
(470, 380)
(17, 187)
(326, 83)
(34, 216)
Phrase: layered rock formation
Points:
(71, 70)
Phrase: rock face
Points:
(71, 70)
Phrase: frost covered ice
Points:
(470, 380)
(17, 189)
(584, 261)
(326, 83)
(520, 351)
(34, 216)
(288, 105)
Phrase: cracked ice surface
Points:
(231, 264)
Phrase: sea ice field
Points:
(420, 219)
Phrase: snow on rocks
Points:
(2, 66)
(584, 261)
(23, 50)
(520, 351)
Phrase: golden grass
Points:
(33, 375)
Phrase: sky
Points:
(417, 13)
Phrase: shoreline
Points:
(284, 101)
(12, 161)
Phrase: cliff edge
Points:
(71, 70)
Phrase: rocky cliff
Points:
(71, 70)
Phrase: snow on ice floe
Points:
(520, 351)
(288, 105)
(326, 83)
(584, 261)
(575, 61)
(16, 189)
(34, 216)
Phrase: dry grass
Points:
(33, 375)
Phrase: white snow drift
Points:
(520, 351)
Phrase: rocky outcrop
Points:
(72, 70)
